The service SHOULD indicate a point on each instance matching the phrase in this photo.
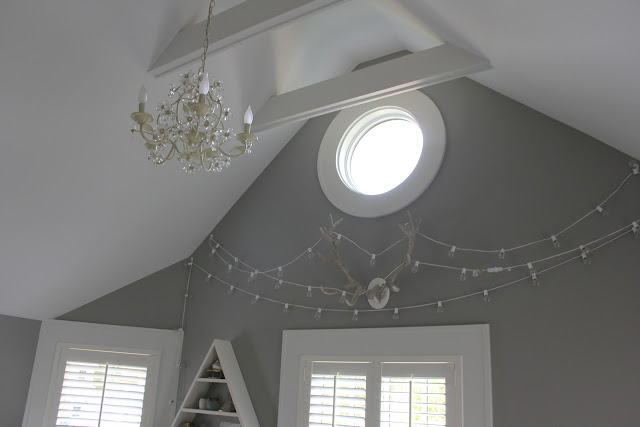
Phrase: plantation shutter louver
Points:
(338, 395)
(102, 394)
(414, 394)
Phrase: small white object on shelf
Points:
(220, 352)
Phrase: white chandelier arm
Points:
(429, 304)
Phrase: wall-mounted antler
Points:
(379, 291)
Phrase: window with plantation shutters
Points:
(379, 393)
(338, 393)
(102, 388)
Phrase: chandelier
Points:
(190, 125)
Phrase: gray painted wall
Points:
(563, 354)
(154, 301)
(18, 342)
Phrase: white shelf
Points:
(212, 380)
(205, 412)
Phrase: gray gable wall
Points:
(563, 354)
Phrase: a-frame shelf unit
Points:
(245, 415)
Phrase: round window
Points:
(378, 157)
(379, 151)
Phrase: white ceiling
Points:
(82, 213)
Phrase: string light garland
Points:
(439, 304)
(635, 168)
(582, 252)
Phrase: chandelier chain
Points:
(205, 43)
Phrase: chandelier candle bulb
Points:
(204, 85)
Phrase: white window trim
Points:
(55, 334)
(426, 115)
(467, 344)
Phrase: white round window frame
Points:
(425, 113)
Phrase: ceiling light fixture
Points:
(191, 124)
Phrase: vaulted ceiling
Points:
(82, 213)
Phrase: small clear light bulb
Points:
(440, 308)
(285, 310)
(415, 267)
(310, 253)
(476, 273)
(343, 297)
(636, 230)
(584, 254)
(208, 278)
(318, 314)
(355, 316)
(252, 276)
(463, 275)
(396, 314)
(372, 261)
(452, 252)
(555, 241)
(502, 254)
(255, 299)
(486, 298)
(534, 275)
(338, 239)
(278, 284)
(230, 290)
(309, 292)
(602, 211)
(280, 272)
(229, 269)
(236, 262)
(214, 250)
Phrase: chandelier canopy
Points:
(190, 125)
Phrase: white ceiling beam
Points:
(413, 71)
(232, 26)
